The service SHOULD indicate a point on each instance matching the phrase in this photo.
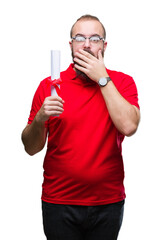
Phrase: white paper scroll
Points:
(55, 68)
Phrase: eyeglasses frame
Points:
(101, 38)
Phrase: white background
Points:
(29, 30)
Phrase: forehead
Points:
(88, 28)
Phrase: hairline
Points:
(88, 18)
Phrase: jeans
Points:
(70, 222)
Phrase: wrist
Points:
(102, 75)
(39, 120)
(103, 81)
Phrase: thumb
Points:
(100, 55)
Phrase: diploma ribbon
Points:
(54, 83)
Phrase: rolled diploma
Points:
(55, 69)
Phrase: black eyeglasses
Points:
(92, 39)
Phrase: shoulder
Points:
(121, 79)
(44, 87)
(44, 82)
(118, 76)
(40, 94)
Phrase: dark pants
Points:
(70, 222)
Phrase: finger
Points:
(54, 103)
(55, 98)
(82, 69)
(80, 62)
(100, 55)
(54, 108)
(54, 113)
(87, 54)
(82, 57)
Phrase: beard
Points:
(80, 74)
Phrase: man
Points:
(83, 193)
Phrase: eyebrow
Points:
(80, 34)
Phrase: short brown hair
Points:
(88, 17)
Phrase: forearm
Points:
(34, 137)
(124, 115)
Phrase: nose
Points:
(87, 43)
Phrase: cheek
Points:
(75, 49)
(95, 51)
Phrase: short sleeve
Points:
(129, 91)
(126, 86)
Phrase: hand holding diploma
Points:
(53, 105)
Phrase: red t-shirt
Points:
(83, 163)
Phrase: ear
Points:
(70, 44)
(105, 45)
